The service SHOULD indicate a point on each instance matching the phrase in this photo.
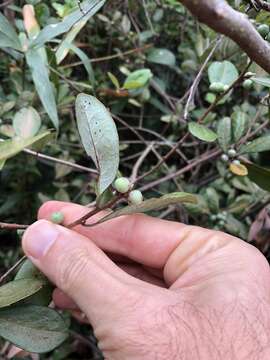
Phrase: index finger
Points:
(143, 239)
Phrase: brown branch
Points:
(221, 17)
(12, 226)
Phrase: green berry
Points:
(57, 217)
(247, 84)
(236, 162)
(232, 153)
(226, 87)
(122, 185)
(225, 158)
(20, 232)
(216, 87)
(135, 197)
(263, 30)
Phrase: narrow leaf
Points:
(45, 90)
(33, 328)
(137, 79)
(26, 122)
(152, 204)
(10, 148)
(239, 125)
(17, 290)
(224, 133)
(261, 81)
(238, 169)
(259, 145)
(202, 132)
(86, 62)
(99, 137)
(8, 30)
(90, 7)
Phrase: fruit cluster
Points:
(123, 186)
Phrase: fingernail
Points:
(39, 238)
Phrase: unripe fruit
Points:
(135, 197)
(236, 162)
(247, 84)
(216, 87)
(122, 185)
(225, 158)
(232, 153)
(263, 30)
(20, 232)
(57, 217)
(226, 87)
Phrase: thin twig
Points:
(140, 161)
(3, 277)
(12, 226)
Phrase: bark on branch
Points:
(222, 18)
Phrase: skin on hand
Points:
(155, 289)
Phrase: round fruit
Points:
(226, 87)
(122, 185)
(20, 232)
(216, 87)
(247, 84)
(236, 162)
(135, 197)
(57, 217)
(224, 157)
(232, 153)
(263, 30)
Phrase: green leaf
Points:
(202, 132)
(152, 204)
(44, 296)
(45, 90)
(99, 137)
(259, 145)
(224, 131)
(90, 7)
(137, 79)
(212, 199)
(114, 80)
(2, 164)
(10, 148)
(7, 31)
(26, 122)
(162, 56)
(261, 81)
(64, 47)
(259, 175)
(33, 328)
(86, 62)
(17, 290)
(239, 125)
(222, 72)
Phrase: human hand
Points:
(155, 289)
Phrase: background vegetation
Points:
(219, 133)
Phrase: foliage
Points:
(161, 100)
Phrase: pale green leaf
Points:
(86, 62)
(152, 204)
(224, 131)
(99, 137)
(45, 90)
(259, 145)
(33, 328)
(17, 290)
(2, 164)
(239, 125)
(138, 79)
(26, 122)
(10, 148)
(7, 31)
(222, 72)
(261, 81)
(202, 132)
(162, 56)
(90, 7)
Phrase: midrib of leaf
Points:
(94, 145)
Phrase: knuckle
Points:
(72, 268)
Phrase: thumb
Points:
(78, 267)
